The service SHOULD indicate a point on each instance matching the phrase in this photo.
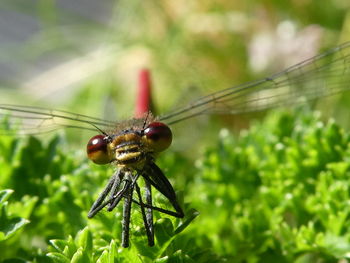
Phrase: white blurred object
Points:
(283, 47)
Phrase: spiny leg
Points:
(98, 204)
(115, 198)
(153, 176)
(159, 209)
(156, 178)
(127, 210)
(115, 195)
(149, 210)
(116, 187)
(148, 222)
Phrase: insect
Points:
(133, 145)
(133, 151)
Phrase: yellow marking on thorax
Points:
(132, 154)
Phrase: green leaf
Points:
(112, 252)
(59, 244)
(9, 224)
(104, 258)
(84, 240)
(4, 195)
(189, 217)
(57, 257)
(80, 256)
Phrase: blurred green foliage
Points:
(191, 47)
(278, 192)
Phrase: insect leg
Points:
(115, 199)
(98, 204)
(126, 211)
(159, 209)
(157, 179)
(116, 186)
(147, 218)
(149, 210)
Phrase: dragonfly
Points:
(133, 145)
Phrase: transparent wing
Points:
(36, 120)
(322, 75)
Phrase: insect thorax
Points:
(130, 150)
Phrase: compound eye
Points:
(97, 150)
(158, 136)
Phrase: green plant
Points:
(278, 192)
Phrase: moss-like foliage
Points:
(278, 192)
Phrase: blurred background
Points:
(85, 55)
